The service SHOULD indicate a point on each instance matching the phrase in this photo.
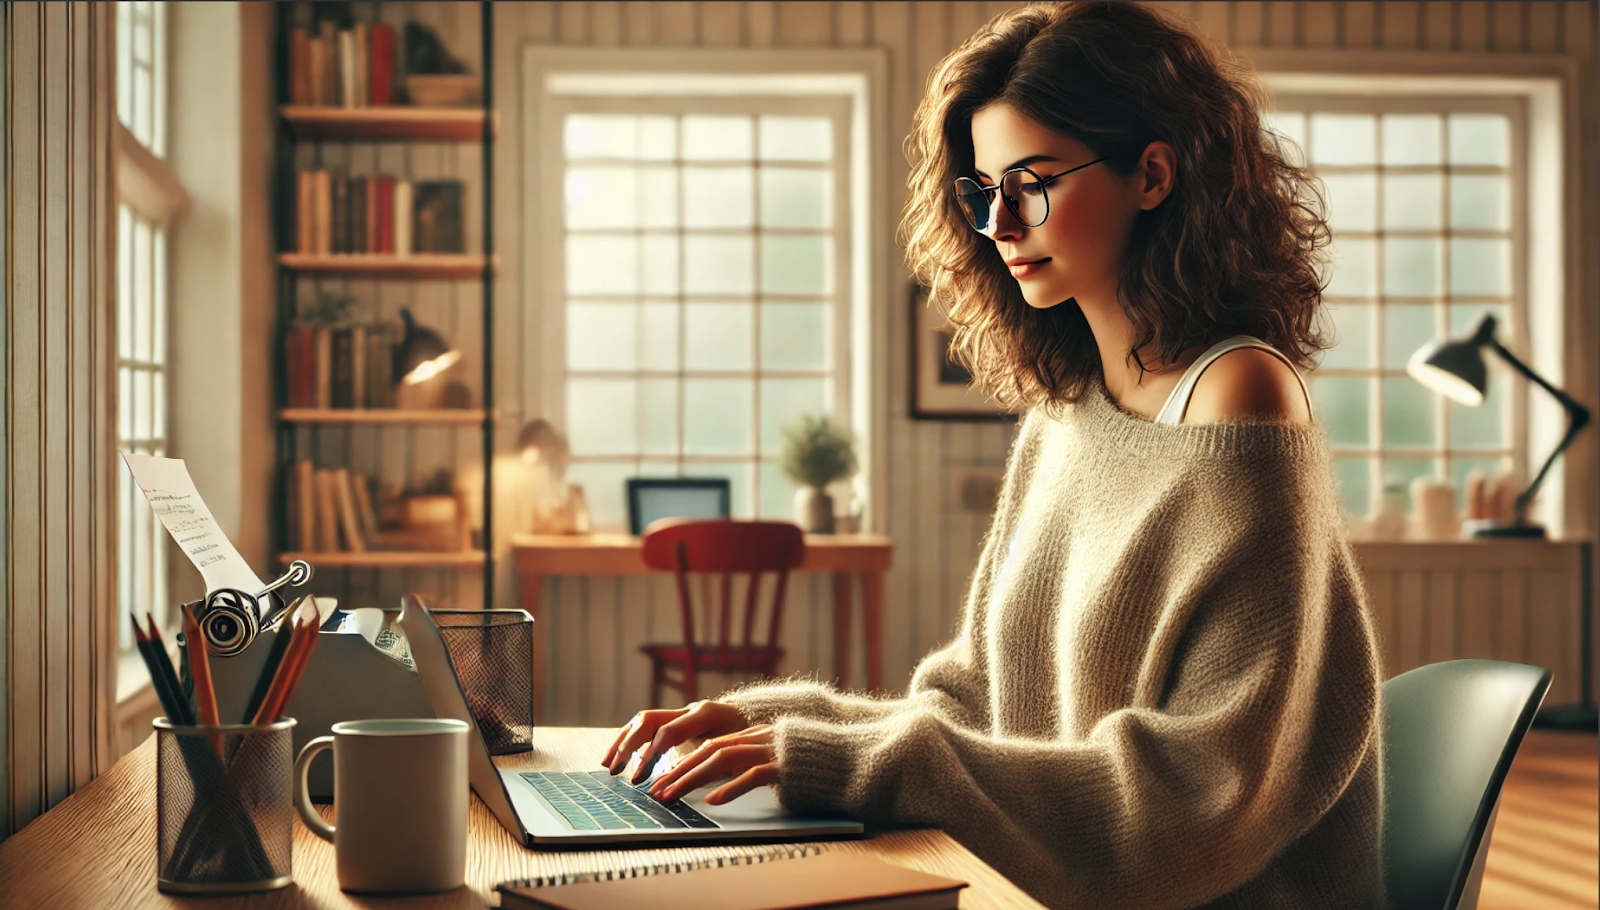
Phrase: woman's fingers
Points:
(708, 766)
(694, 720)
(750, 735)
(637, 732)
(759, 776)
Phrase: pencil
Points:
(269, 667)
(205, 697)
(164, 664)
(174, 707)
(301, 632)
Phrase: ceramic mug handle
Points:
(302, 790)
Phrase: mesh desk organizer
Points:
(352, 678)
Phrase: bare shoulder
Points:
(1247, 384)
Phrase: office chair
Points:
(1451, 730)
(728, 547)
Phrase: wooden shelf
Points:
(383, 415)
(389, 559)
(373, 265)
(439, 124)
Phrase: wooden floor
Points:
(1545, 848)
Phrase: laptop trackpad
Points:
(757, 806)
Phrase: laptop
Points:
(579, 808)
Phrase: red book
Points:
(302, 366)
(385, 219)
(380, 81)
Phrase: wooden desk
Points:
(844, 555)
(98, 848)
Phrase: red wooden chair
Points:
(712, 546)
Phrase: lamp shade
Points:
(1455, 367)
(423, 353)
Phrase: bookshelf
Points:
(357, 139)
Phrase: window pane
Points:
(1292, 128)
(660, 266)
(777, 493)
(158, 406)
(1480, 266)
(718, 265)
(1412, 139)
(604, 489)
(142, 279)
(1354, 268)
(1352, 336)
(602, 416)
(658, 138)
(708, 138)
(1342, 404)
(794, 265)
(658, 197)
(124, 68)
(601, 135)
(792, 198)
(142, 126)
(602, 264)
(125, 302)
(1354, 476)
(1480, 203)
(125, 408)
(1480, 139)
(785, 400)
(794, 336)
(717, 416)
(740, 479)
(602, 197)
(1408, 414)
(659, 334)
(1405, 329)
(658, 404)
(1464, 319)
(1482, 427)
(1413, 202)
(796, 138)
(1352, 201)
(719, 336)
(1399, 471)
(158, 305)
(1343, 139)
(602, 336)
(718, 197)
(1411, 266)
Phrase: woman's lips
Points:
(1025, 269)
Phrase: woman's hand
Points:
(746, 756)
(667, 728)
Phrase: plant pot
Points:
(813, 510)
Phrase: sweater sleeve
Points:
(1268, 709)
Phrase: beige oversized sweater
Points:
(1164, 689)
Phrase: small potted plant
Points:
(816, 452)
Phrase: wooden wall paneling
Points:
(1508, 26)
(601, 650)
(850, 22)
(1472, 25)
(639, 26)
(1360, 24)
(1248, 20)
(1399, 25)
(1213, 20)
(606, 18)
(1477, 613)
(1319, 23)
(996, 7)
(761, 24)
(966, 17)
(572, 23)
(807, 24)
(1578, 35)
(1512, 640)
(1411, 620)
(1282, 23)
(1442, 603)
(1550, 642)
(1380, 586)
(676, 23)
(633, 668)
(1438, 26)
(722, 23)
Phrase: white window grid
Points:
(1367, 457)
(756, 480)
(142, 290)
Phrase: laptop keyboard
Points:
(598, 801)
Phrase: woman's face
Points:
(1078, 250)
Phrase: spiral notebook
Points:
(836, 880)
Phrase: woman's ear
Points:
(1157, 169)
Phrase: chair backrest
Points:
(727, 547)
(1451, 730)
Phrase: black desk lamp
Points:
(1456, 369)
(423, 353)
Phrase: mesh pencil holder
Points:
(224, 822)
(492, 651)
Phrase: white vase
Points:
(813, 510)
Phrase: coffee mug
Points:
(401, 791)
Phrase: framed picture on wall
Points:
(941, 389)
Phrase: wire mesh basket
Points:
(492, 651)
(224, 807)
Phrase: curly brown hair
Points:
(1233, 249)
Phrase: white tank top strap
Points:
(1178, 400)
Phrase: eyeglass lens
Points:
(1024, 195)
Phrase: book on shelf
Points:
(304, 530)
(357, 217)
(437, 227)
(327, 519)
(345, 366)
(345, 64)
(376, 214)
(402, 218)
(382, 65)
(349, 524)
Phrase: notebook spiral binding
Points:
(605, 875)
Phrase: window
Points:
(705, 287)
(1423, 200)
(146, 201)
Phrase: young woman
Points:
(1164, 689)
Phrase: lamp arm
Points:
(1577, 414)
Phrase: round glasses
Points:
(1023, 191)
